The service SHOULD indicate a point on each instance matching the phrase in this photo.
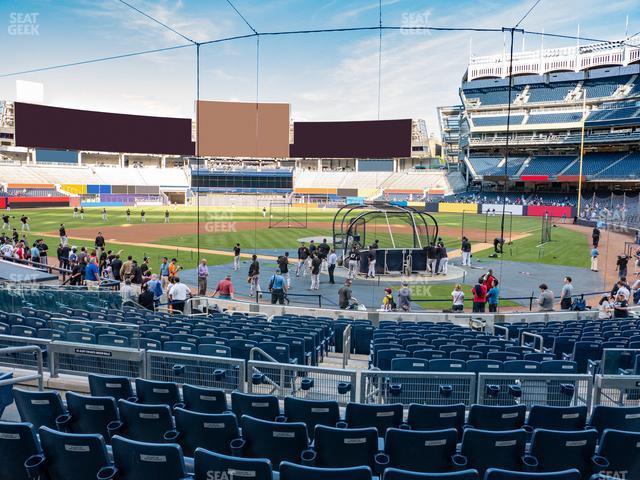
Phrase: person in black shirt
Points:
(466, 252)
(63, 234)
(236, 257)
(354, 262)
(145, 298)
(136, 273)
(375, 245)
(44, 251)
(371, 262)
(116, 265)
(128, 212)
(76, 274)
(595, 236)
(283, 266)
(144, 268)
(5, 222)
(621, 265)
(316, 263)
(432, 259)
(99, 242)
(303, 255)
(14, 236)
(25, 223)
(142, 216)
(254, 276)
(323, 249)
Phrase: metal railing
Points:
(28, 349)
(617, 390)
(80, 358)
(21, 359)
(302, 381)
(346, 345)
(535, 337)
(501, 328)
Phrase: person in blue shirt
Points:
(35, 253)
(493, 296)
(277, 287)
(92, 275)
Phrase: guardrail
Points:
(617, 390)
(501, 328)
(535, 337)
(22, 359)
(80, 358)
(29, 349)
(346, 345)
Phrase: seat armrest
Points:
(107, 473)
(114, 428)
(63, 422)
(35, 466)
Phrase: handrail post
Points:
(346, 345)
(26, 349)
(501, 327)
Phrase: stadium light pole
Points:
(584, 120)
(198, 150)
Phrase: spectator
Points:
(493, 296)
(164, 273)
(565, 294)
(545, 300)
(92, 275)
(155, 286)
(457, 297)
(116, 267)
(605, 308)
(224, 289)
(203, 275)
(345, 295)
(594, 259)
(621, 265)
(178, 294)
(404, 297)
(620, 306)
(127, 292)
(479, 296)
(278, 288)
(136, 273)
(388, 303)
(127, 268)
(146, 298)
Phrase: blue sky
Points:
(323, 76)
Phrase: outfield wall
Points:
(512, 209)
(520, 210)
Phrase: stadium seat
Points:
(18, 442)
(557, 418)
(556, 451)
(430, 354)
(180, 347)
(484, 366)
(88, 415)
(106, 386)
(212, 431)
(134, 460)
(312, 412)
(343, 448)
(622, 451)
(409, 365)
(436, 417)
(264, 407)
(151, 392)
(145, 423)
(214, 350)
(206, 462)
(380, 417)
(275, 441)
(486, 449)
(204, 400)
(499, 474)
(423, 451)
(447, 365)
(487, 417)
(397, 474)
(291, 471)
(615, 418)
(69, 455)
(521, 366)
(38, 408)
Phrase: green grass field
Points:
(566, 248)
(441, 295)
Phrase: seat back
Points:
(397, 474)
(485, 449)
(212, 431)
(18, 442)
(488, 417)
(557, 451)
(265, 407)
(106, 386)
(71, 455)
(135, 460)
(204, 400)
(91, 414)
(145, 423)
(436, 417)
(274, 440)
(152, 392)
(38, 408)
(291, 471)
(499, 474)
(214, 350)
(557, 418)
(521, 366)
(342, 448)
(558, 366)
(312, 412)
(380, 417)
(421, 451)
(409, 365)
(617, 418)
(206, 462)
(622, 450)
(447, 365)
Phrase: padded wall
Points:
(235, 129)
(65, 128)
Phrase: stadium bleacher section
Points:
(551, 164)
(486, 121)
(571, 117)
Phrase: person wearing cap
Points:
(277, 287)
(203, 274)
(224, 289)
(345, 295)
(388, 303)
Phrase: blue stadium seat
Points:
(558, 366)
(521, 366)
(212, 431)
(207, 462)
(557, 418)
(275, 441)
(381, 417)
(214, 350)
(80, 337)
(499, 474)
(429, 354)
(70, 455)
(616, 418)
(447, 365)
(265, 407)
(145, 423)
(343, 448)
(485, 449)
(180, 347)
(113, 341)
(88, 415)
(488, 417)
(622, 451)
(484, 366)
(291, 471)
(312, 412)
(107, 386)
(409, 365)
(584, 351)
(556, 451)
(383, 358)
(38, 408)
(18, 442)
(397, 474)
(204, 400)
(422, 451)
(152, 392)
(436, 417)
(134, 460)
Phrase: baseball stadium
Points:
(358, 240)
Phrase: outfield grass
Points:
(441, 293)
(566, 248)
